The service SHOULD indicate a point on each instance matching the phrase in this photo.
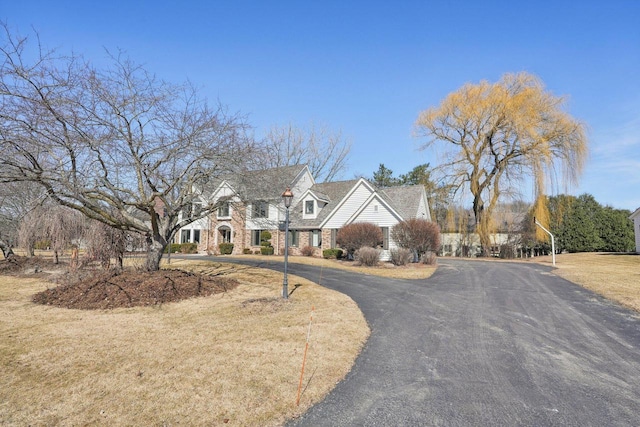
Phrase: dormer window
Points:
(308, 207)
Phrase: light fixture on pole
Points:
(553, 242)
(287, 197)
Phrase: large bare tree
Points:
(323, 150)
(114, 143)
(496, 136)
(17, 200)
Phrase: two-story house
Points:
(252, 203)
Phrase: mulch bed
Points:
(130, 288)
(94, 289)
(26, 265)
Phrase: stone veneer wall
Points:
(236, 224)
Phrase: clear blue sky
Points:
(369, 67)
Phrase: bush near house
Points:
(174, 248)
(308, 251)
(332, 253)
(266, 250)
(183, 248)
(265, 243)
(226, 248)
(400, 256)
(247, 251)
(367, 256)
(189, 248)
(418, 235)
(357, 235)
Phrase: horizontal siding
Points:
(383, 217)
(423, 211)
(346, 211)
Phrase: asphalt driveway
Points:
(484, 344)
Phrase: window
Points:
(196, 236)
(260, 209)
(255, 237)
(308, 207)
(294, 237)
(224, 210)
(184, 236)
(225, 235)
(192, 211)
(385, 237)
(315, 238)
(197, 209)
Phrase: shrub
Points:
(428, 258)
(332, 253)
(226, 248)
(308, 251)
(354, 236)
(418, 235)
(265, 238)
(256, 252)
(368, 256)
(174, 247)
(401, 256)
(246, 251)
(266, 250)
(189, 248)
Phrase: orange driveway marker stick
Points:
(304, 359)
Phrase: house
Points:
(460, 239)
(245, 204)
(252, 203)
(635, 217)
(324, 208)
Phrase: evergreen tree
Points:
(615, 230)
(383, 177)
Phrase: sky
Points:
(367, 68)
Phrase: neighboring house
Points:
(635, 217)
(506, 239)
(253, 204)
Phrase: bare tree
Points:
(418, 235)
(114, 139)
(30, 231)
(61, 227)
(324, 151)
(105, 242)
(498, 135)
(7, 252)
(17, 199)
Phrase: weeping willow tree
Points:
(498, 137)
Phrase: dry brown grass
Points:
(384, 269)
(614, 276)
(231, 358)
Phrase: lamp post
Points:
(287, 197)
(553, 243)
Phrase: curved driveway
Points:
(484, 344)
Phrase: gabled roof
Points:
(333, 192)
(635, 214)
(267, 184)
(405, 199)
(402, 201)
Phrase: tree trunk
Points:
(6, 250)
(155, 250)
(482, 225)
